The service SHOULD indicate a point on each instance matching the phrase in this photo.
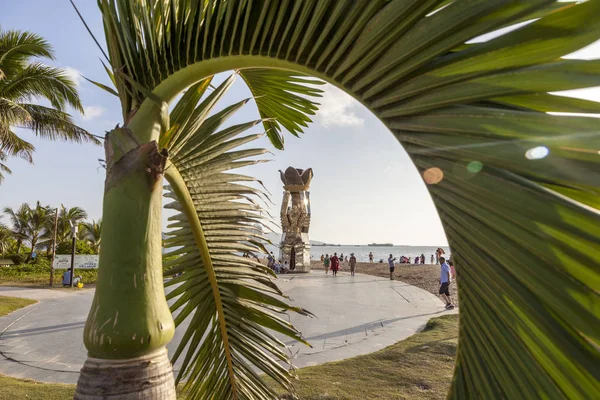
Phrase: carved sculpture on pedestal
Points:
(295, 219)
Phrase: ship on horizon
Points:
(380, 244)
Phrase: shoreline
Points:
(423, 276)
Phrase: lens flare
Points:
(432, 176)
(474, 167)
(537, 153)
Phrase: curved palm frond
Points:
(233, 304)
(516, 225)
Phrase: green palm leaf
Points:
(522, 231)
(231, 300)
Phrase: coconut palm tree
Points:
(6, 239)
(23, 80)
(91, 233)
(37, 226)
(516, 188)
(67, 218)
(19, 220)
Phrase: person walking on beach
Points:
(326, 263)
(335, 264)
(352, 264)
(438, 254)
(323, 258)
(391, 260)
(445, 279)
(422, 258)
(432, 259)
(370, 257)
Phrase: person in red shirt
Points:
(335, 264)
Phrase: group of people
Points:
(333, 263)
(276, 265)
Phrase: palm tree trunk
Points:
(33, 243)
(129, 323)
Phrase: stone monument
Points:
(295, 219)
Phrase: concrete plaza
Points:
(354, 315)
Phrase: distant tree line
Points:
(31, 229)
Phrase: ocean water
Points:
(362, 252)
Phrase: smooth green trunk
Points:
(129, 315)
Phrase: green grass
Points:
(10, 304)
(39, 275)
(17, 389)
(419, 367)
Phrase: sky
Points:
(365, 188)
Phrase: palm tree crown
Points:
(90, 232)
(22, 82)
(19, 219)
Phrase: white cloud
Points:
(92, 112)
(337, 108)
(74, 74)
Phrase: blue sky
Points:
(365, 187)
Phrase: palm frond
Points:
(17, 47)
(3, 167)
(516, 225)
(232, 302)
(53, 124)
(39, 80)
(13, 145)
(282, 98)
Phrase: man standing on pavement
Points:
(445, 279)
(391, 260)
(352, 264)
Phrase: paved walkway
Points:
(354, 315)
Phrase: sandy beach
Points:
(424, 276)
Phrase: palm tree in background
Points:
(91, 233)
(67, 218)
(19, 221)
(23, 81)
(6, 238)
(37, 226)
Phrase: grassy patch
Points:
(419, 367)
(10, 304)
(39, 275)
(13, 389)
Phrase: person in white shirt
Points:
(445, 280)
